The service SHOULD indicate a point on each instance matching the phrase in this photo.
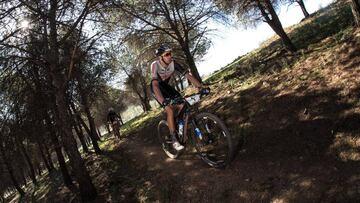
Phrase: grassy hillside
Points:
(332, 23)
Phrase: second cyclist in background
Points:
(115, 120)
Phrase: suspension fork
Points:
(198, 133)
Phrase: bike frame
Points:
(187, 111)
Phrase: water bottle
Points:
(198, 133)
(181, 126)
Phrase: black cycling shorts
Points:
(166, 90)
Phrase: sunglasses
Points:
(167, 54)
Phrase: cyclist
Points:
(115, 120)
(162, 71)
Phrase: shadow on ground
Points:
(299, 147)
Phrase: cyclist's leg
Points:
(113, 128)
(170, 118)
(169, 92)
(171, 124)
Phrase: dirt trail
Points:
(268, 169)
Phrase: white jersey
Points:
(158, 72)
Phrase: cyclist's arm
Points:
(157, 92)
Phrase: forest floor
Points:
(301, 127)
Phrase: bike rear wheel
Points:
(214, 144)
(165, 140)
(116, 130)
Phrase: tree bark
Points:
(146, 102)
(10, 170)
(190, 60)
(62, 164)
(80, 122)
(81, 138)
(86, 187)
(79, 132)
(27, 159)
(39, 169)
(303, 8)
(46, 162)
(85, 104)
(355, 7)
(49, 158)
(88, 131)
(23, 176)
(274, 22)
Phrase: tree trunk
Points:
(145, 105)
(303, 8)
(49, 158)
(62, 164)
(47, 165)
(143, 99)
(190, 61)
(79, 132)
(275, 24)
(86, 137)
(86, 187)
(10, 170)
(23, 176)
(85, 104)
(39, 170)
(355, 7)
(88, 131)
(80, 122)
(27, 159)
(146, 99)
(81, 138)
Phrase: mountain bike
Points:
(205, 131)
(116, 128)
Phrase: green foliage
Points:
(139, 121)
(324, 24)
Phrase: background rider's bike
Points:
(207, 133)
(116, 128)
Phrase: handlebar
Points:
(191, 99)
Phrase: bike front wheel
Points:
(165, 140)
(212, 140)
